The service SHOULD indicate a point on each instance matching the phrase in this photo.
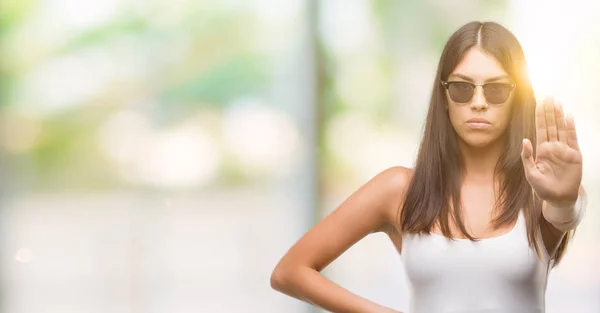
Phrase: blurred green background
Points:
(161, 156)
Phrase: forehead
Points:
(479, 65)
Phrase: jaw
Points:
(479, 139)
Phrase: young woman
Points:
(489, 207)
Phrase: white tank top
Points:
(495, 275)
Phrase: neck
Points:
(480, 162)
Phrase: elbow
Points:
(287, 278)
(279, 278)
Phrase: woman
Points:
(484, 215)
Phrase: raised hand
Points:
(555, 172)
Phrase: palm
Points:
(555, 173)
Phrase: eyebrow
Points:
(469, 79)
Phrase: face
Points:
(482, 119)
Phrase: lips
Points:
(478, 120)
(478, 123)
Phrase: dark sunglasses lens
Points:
(460, 92)
(497, 93)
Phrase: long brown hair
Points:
(434, 192)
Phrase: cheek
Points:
(503, 116)
(457, 115)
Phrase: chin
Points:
(479, 140)
(478, 144)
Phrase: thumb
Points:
(527, 158)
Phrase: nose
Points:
(478, 102)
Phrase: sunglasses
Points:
(462, 92)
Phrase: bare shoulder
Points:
(393, 184)
(397, 177)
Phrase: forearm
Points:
(310, 286)
(566, 216)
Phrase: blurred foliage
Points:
(219, 64)
(68, 156)
(200, 57)
(222, 83)
(13, 12)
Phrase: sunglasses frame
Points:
(447, 84)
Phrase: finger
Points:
(571, 133)
(540, 124)
(531, 170)
(550, 119)
(560, 122)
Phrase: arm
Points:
(371, 208)
(566, 216)
(556, 171)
